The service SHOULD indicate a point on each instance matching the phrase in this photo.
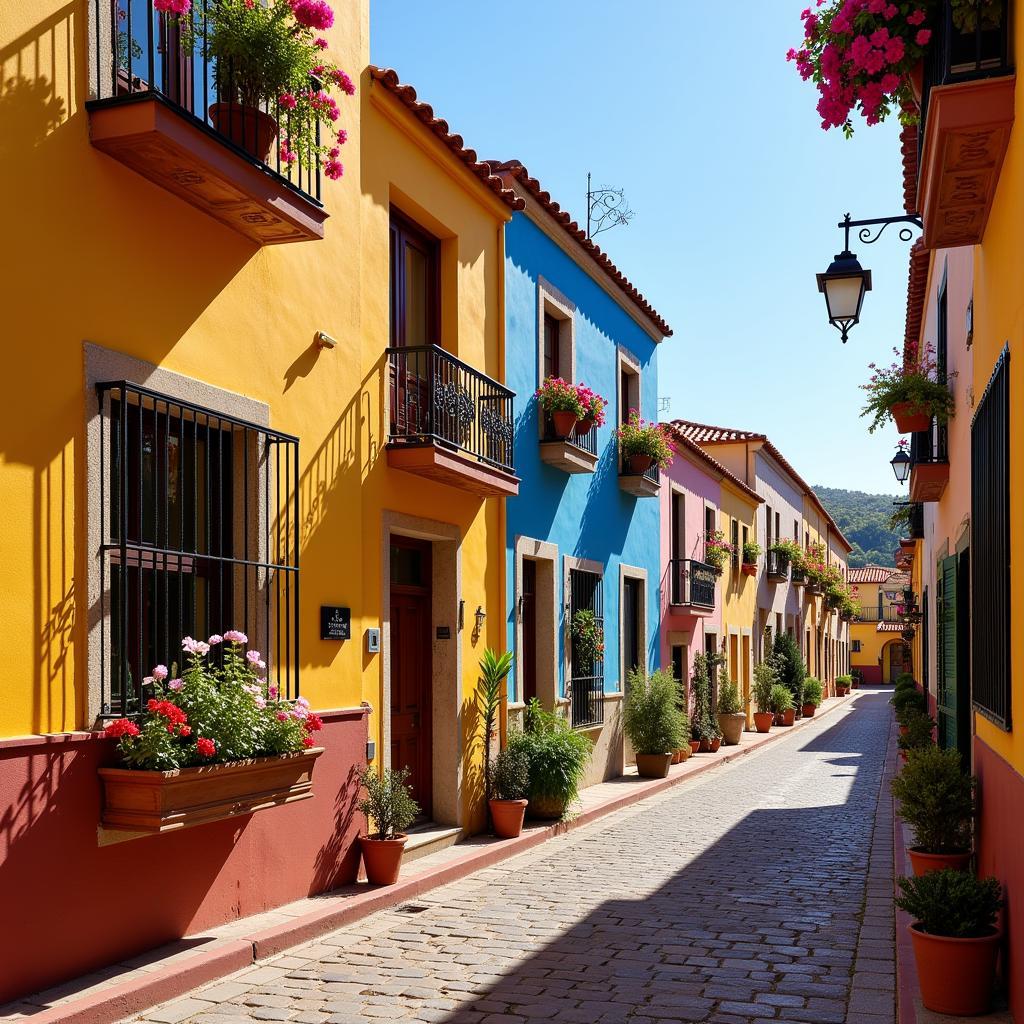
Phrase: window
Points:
(767, 526)
(710, 524)
(990, 550)
(415, 297)
(629, 389)
(678, 538)
(586, 684)
(679, 665)
(942, 335)
(855, 646)
(199, 533)
(746, 536)
(796, 531)
(735, 543)
(552, 361)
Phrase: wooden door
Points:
(529, 597)
(411, 667)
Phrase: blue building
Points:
(583, 536)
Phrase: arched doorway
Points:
(897, 658)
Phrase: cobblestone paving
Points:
(760, 891)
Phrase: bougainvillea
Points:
(914, 379)
(859, 54)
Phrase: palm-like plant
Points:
(494, 669)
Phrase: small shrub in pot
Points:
(652, 720)
(703, 726)
(389, 804)
(510, 784)
(790, 666)
(781, 702)
(956, 938)
(765, 679)
(916, 731)
(813, 693)
(558, 760)
(731, 712)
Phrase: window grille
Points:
(199, 532)
(586, 685)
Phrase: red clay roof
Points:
(909, 153)
(703, 433)
(681, 441)
(917, 282)
(515, 169)
(425, 113)
(871, 574)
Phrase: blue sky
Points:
(735, 187)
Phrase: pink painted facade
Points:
(690, 501)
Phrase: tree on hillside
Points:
(864, 520)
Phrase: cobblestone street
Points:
(760, 891)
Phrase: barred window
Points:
(199, 533)
(586, 685)
(990, 548)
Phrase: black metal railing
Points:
(968, 43)
(436, 398)
(929, 446)
(652, 473)
(916, 524)
(692, 582)
(199, 533)
(871, 613)
(797, 575)
(585, 441)
(139, 53)
(586, 682)
(776, 565)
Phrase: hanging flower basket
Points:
(907, 419)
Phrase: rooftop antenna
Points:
(664, 404)
(606, 208)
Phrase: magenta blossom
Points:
(313, 14)
(175, 684)
(234, 636)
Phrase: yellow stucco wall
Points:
(97, 253)
(739, 605)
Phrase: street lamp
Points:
(845, 282)
(901, 463)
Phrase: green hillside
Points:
(864, 520)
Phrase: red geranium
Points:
(122, 727)
(205, 747)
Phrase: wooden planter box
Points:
(148, 801)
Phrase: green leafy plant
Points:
(717, 549)
(640, 437)
(650, 713)
(952, 903)
(813, 691)
(967, 13)
(558, 395)
(510, 774)
(751, 551)
(844, 681)
(781, 699)
(919, 726)
(911, 381)
(937, 799)
(558, 756)
(765, 681)
(494, 669)
(388, 802)
(907, 700)
(790, 551)
(729, 700)
(587, 636)
(792, 670)
(703, 725)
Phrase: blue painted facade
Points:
(588, 515)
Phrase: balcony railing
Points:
(586, 442)
(137, 53)
(929, 446)
(776, 566)
(436, 399)
(692, 583)
(916, 521)
(870, 613)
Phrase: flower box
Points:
(749, 568)
(908, 421)
(154, 802)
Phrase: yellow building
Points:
(307, 374)
(878, 652)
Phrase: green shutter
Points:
(945, 637)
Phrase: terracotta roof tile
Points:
(703, 433)
(425, 113)
(680, 441)
(909, 153)
(917, 282)
(515, 169)
(871, 574)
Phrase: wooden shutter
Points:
(947, 654)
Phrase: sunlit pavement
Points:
(760, 891)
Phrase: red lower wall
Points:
(1000, 841)
(71, 905)
(869, 673)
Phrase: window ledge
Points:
(568, 457)
(639, 486)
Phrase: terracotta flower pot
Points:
(653, 766)
(789, 717)
(382, 858)
(715, 744)
(694, 747)
(731, 726)
(564, 422)
(507, 816)
(247, 127)
(640, 463)
(955, 975)
(904, 730)
(705, 747)
(584, 425)
(809, 709)
(908, 422)
(763, 720)
(683, 753)
(546, 807)
(924, 862)
(749, 568)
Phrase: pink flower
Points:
(334, 169)
(318, 69)
(272, 692)
(313, 14)
(917, 17)
(923, 36)
(282, 716)
(302, 702)
(288, 155)
(342, 136)
(194, 646)
(261, 702)
(234, 636)
(890, 12)
(320, 42)
(160, 672)
(334, 152)
(344, 82)
(254, 659)
(287, 100)
(215, 639)
(895, 48)
(175, 684)
(172, 6)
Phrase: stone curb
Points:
(165, 983)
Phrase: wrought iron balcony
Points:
(871, 613)
(692, 584)
(643, 485)
(916, 521)
(576, 453)
(929, 459)
(776, 566)
(967, 110)
(450, 422)
(166, 110)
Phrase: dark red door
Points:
(529, 630)
(411, 666)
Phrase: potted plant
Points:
(909, 392)
(593, 409)
(643, 444)
(389, 804)
(906, 699)
(268, 55)
(843, 684)
(510, 785)
(587, 636)
(863, 56)
(956, 939)
(731, 712)
(765, 679)
(813, 693)
(494, 669)
(652, 721)
(751, 552)
(781, 702)
(916, 732)
(791, 669)
(703, 727)
(214, 743)
(937, 800)
(814, 567)
(561, 401)
(558, 760)
(717, 550)
(683, 751)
